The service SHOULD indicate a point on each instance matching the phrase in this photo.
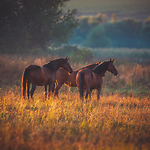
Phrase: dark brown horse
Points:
(63, 77)
(42, 76)
(92, 79)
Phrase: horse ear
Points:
(67, 58)
(111, 60)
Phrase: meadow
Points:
(119, 120)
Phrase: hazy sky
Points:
(109, 5)
(138, 9)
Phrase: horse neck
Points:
(54, 65)
(91, 66)
(101, 69)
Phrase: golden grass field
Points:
(115, 122)
(118, 121)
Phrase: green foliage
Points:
(94, 32)
(78, 55)
(96, 20)
(65, 50)
(27, 25)
(145, 36)
(97, 38)
(87, 23)
(125, 33)
(82, 55)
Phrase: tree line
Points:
(96, 31)
(30, 25)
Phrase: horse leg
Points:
(86, 96)
(28, 88)
(50, 87)
(98, 93)
(57, 89)
(33, 89)
(88, 92)
(53, 87)
(45, 91)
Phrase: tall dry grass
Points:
(131, 75)
(115, 122)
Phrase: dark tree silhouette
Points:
(30, 24)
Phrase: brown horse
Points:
(92, 79)
(62, 76)
(44, 75)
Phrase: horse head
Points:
(112, 68)
(66, 65)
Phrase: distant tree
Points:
(83, 20)
(83, 28)
(32, 24)
(124, 33)
(87, 23)
(114, 17)
(145, 35)
(97, 20)
(97, 38)
(147, 21)
(101, 17)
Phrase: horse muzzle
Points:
(71, 71)
(115, 73)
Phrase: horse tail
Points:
(24, 80)
(81, 84)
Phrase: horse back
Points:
(33, 70)
(40, 75)
(33, 67)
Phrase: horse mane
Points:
(53, 64)
(88, 66)
(102, 67)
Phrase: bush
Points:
(96, 38)
(82, 55)
(79, 55)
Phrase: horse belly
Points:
(46, 79)
(96, 82)
(42, 82)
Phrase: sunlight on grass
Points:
(114, 122)
(120, 120)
